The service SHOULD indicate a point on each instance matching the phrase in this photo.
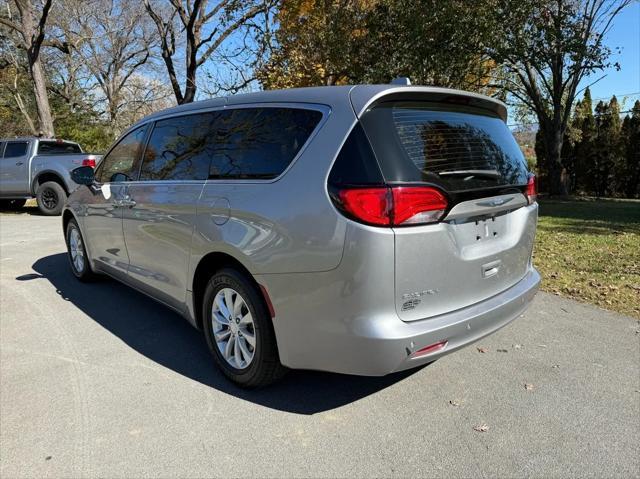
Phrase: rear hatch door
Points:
(483, 244)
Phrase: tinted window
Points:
(356, 164)
(57, 148)
(122, 159)
(415, 142)
(259, 142)
(1, 148)
(180, 149)
(15, 149)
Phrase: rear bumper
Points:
(381, 344)
(465, 326)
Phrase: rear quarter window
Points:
(419, 142)
(259, 143)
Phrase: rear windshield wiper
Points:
(494, 174)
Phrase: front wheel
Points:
(77, 253)
(238, 330)
(51, 197)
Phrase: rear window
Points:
(457, 149)
(259, 143)
(58, 148)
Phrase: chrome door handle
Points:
(124, 202)
(20, 163)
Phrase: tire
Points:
(77, 253)
(12, 204)
(264, 366)
(51, 198)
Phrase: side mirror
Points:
(83, 175)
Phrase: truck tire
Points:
(51, 198)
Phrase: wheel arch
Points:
(209, 264)
(67, 216)
(48, 175)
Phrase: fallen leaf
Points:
(528, 387)
(555, 366)
(482, 350)
(454, 402)
(48, 458)
(502, 351)
(481, 428)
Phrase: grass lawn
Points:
(589, 250)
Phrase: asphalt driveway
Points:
(100, 381)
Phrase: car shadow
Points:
(28, 210)
(166, 338)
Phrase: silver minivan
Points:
(357, 229)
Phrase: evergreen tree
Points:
(569, 144)
(585, 124)
(607, 147)
(631, 139)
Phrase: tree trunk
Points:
(553, 146)
(45, 121)
(190, 85)
(189, 92)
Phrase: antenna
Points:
(401, 81)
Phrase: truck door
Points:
(14, 169)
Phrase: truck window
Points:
(15, 149)
(58, 148)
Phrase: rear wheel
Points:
(77, 253)
(51, 197)
(238, 330)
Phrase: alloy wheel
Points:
(233, 328)
(49, 199)
(76, 250)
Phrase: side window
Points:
(1, 148)
(259, 143)
(180, 148)
(120, 164)
(16, 149)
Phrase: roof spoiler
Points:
(364, 97)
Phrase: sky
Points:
(625, 34)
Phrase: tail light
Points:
(393, 206)
(532, 190)
(89, 162)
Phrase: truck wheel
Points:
(12, 204)
(51, 197)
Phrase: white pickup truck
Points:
(40, 168)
